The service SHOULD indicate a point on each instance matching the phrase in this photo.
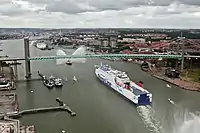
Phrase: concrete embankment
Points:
(187, 85)
(180, 83)
(40, 110)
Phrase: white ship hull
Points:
(137, 95)
(41, 46)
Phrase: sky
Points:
(100, 14)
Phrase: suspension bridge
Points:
(27, 57)
(138, 56)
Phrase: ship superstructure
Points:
(120, 82)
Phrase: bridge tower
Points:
(183, 51)
(27, 56)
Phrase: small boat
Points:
(171, 101)
(96, 66)
(51, 81)
(74, 79)
(69, 62)
(48, 83)
(168, 86)
(58, 82)
(52, 78)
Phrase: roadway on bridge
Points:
(141, 56)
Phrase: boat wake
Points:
(80, 51)
(186, 122)
(181, 121)
(147, 115)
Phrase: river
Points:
(99, 109)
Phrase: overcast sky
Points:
(100, 13)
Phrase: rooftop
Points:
(13, 126)
(8, 103)
(9, 126)
(27, 129)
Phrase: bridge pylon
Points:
(27, 61)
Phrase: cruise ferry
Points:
(120, 82)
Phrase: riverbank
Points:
(7, 74)
(181, 82)
(9, 102)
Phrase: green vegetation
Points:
(193, 75)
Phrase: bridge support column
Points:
(15, 71)
(182, 61)
(27, 56)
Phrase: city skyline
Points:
(183, 14)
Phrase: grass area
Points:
(193, 75)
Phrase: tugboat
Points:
(48, 82)
(51, 81)
(58, 82)
(69, 63)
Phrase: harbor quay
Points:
(9, 104)
(7, 78)
(9, 108)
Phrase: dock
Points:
(48, 109)
(61, 107)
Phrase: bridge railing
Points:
(139, 56)
(108, 55)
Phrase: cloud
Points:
(77, 6)
(69, 6)
(100, 13)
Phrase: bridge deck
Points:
(142, 56)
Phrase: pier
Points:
(48, 109)
(61, 107)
